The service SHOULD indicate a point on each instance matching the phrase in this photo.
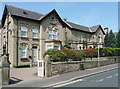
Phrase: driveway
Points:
(19, 75)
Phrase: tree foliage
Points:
(118, 39)
(110, 39)
(106, 40)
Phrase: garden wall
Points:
(64, 67)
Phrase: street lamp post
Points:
(98, 56)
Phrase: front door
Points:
(35, 54)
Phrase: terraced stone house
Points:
(27, 34)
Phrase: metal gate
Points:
(41, 67)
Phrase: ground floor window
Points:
(53, 47)
(23, 51)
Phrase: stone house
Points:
(27, 34)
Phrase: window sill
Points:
(24, 37)
(24, 58)
(35, 38)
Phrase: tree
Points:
(106, 40)
(118, 39)
(112, 40)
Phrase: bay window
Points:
(53, 34)
(52, 47)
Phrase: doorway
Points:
(35, 54)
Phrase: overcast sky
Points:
(83, 13)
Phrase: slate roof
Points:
(83, 28)
(78, 27)
(94, 28)
(23, 13)
(39, 17)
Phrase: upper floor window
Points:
(23, 51)
(35, 33)
(98, 39)
(81, 37)
(53, 34)
(23, 31)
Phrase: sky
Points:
(83, 13)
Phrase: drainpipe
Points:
(17, 43)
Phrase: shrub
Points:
(64, 55)
(78, 55)
(90, 53)
(21, 66)
(54, 54)
(108, 51)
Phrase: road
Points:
(105, 79)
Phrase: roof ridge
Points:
(24, 9)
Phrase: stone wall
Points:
(64, 67)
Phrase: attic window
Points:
(24, 13)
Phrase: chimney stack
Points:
(106, 30)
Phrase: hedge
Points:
(21, 66)
(78, 55)
(108, 51)
(91, 52)
(65, 55)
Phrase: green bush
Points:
(21, 66)
(77, 55)
(108, 51)
(64, 55)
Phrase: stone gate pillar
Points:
(48, 72)
(4, 70)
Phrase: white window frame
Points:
(34, 32)
(24, 30)
(24, 51)
(53, 34)
(52, 47)
(81, 37)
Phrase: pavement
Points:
(27, 77)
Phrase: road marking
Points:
(116, 74)
(94, 73)
(109, 77)
(68, 83)
(100, 80)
